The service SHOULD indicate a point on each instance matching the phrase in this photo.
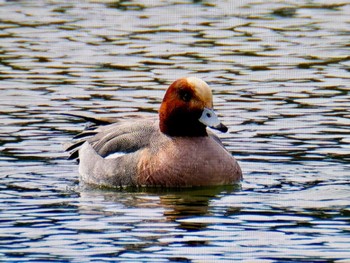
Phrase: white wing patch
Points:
(115, 155)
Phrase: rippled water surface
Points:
(280, 75)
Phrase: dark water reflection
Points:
(280, 74)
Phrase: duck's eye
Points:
(185, 95)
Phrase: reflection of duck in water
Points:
(184, 207)
(175, 151)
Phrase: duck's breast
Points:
(188, 161)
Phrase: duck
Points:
(177, 148)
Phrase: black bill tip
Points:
(221, 127)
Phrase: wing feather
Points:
(124, 136)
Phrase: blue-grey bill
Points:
(210, 119)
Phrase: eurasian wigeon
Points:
(174, 150)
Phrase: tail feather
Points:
(85, 134)
(95, 120)
(73, 148)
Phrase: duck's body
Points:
(174, 151)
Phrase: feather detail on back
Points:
(120, 137)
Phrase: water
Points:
(280, 74)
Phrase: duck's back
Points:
(109, 158)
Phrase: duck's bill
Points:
(210, 119)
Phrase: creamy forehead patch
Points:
(202, 89)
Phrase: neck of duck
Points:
(182, 123)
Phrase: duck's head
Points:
(187, 109)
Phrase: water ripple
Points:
(280, 74)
